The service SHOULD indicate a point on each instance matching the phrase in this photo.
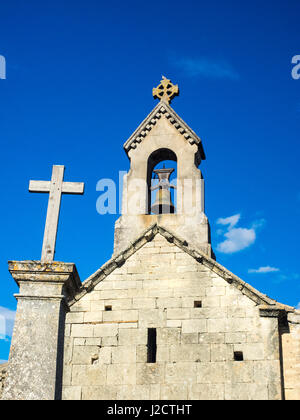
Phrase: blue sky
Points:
(79, 82)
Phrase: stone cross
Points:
(165, 91)
(56, 187)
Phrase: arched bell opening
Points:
(161, 182)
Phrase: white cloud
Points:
(266, 269)
(2, 361)
(207, 67)
(7, 319)
(231, 221)
(237, 238)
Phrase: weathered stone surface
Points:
(3, 371)
(35, 362)
(194, 346)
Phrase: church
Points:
(162, 319)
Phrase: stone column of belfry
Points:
(36, 356)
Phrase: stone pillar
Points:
(36, 355)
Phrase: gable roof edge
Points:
(162, 108)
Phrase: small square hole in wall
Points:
(108, 308)
(198, 304)
(238, 356)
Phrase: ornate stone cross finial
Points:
(165, 91)
(56, 187)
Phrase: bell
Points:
(163, 203)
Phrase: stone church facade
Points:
(161, 320)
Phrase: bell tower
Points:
(164, 137)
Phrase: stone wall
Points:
(3, 369)
(291, 357)
(157, 287)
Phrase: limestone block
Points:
(292, 394)
(93, 316)
(240, 372)
(229, 301)
(215, 291)
(174, 323)
(251, 351)
(161, 293)
(71, 393)
(131, 337)
(105, 392)
(124, 354)
(244, 391)
(67, 330)
(178, 313)
(169, 302)
(198, 291)
(108, 341)
(82, 355)
(174, 392)
(255, 337)
(181, 372)
(81, 306)
(211, 373)
(211, 302)
(105, 330)
(121, 315)
(267, 371)
(211, 338)
(81, 330)
(194, 326)
(190, 353)
(152, 318)
(190, 338)
(128, 325)
(236, 312)
(188, 302)
(206, 392)
(216, 325)
(208, 313)
(275, 391)
(74, 317)
(89, 375)
(269, 331)
(154, 392)
(141, 353)
(121, 374)
(240, 325)
(89, 341)
(167, 336)
(118, 304)
(97, 305)
(141, 303)
(235, 338)
(220, 352)
(77, 342)
(67, 376)
(149, 373)
(162, 354)
(133, 392)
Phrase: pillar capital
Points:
(36, 279)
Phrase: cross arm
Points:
(73, 188)
(39, 186)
